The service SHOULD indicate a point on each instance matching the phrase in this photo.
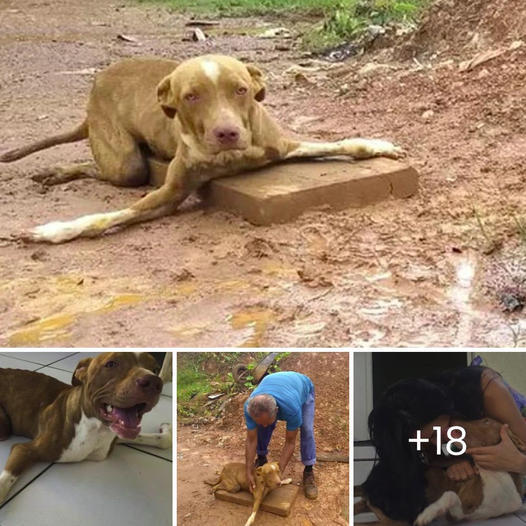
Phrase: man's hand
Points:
(251, 481)
(462, 470)
(502, 457)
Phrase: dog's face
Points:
(212, 97)
(118, 388)
(485, 432)
(269, 475)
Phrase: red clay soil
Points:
(397, 273)
(457, 27)
(202, 450)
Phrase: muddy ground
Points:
(201, 450)
(398, 273)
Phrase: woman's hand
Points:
(462, 470)
(502, 457)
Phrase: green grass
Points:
(338, 21)
(351, 17)
(190, 382)
(250, 7)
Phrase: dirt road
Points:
(399, 273)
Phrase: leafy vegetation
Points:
(203, 373)
(337, 21)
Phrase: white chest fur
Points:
(92, 441)
(500, 496)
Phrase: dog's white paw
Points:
(286, 481)
(165, 438)
(383, 148)
(437, 509)
(425, 518)
(54, 232)
(367, 148)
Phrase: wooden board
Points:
(279, 501)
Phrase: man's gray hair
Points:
(262, 403)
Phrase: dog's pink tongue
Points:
(126, 422)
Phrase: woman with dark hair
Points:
(396, 484)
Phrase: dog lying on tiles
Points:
(69, 423)
(486, 495)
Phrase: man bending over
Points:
(287, 396)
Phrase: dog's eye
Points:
(191, 97)
(241, 90)
(110, 364)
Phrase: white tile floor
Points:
(363, 467)
(132, 487)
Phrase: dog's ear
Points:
(79, 376)
(519, 444)
(166, 97)
(257, 81)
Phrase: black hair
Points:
(396, 484)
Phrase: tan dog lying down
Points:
(486, 495)
(233, 479)
(203, 115)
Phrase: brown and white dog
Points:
(486, 495)
(233, 479)
(180, 124)
(70, 423)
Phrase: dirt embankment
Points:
(457, 27)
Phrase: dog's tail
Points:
(77, 134)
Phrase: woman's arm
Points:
(499, 405)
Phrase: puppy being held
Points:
(485, 495)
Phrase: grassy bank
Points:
(332, 21)
(203, 373)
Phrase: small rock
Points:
(372, 68)
(343, 89)
(198, 35)
(276, 32)
(428, 115)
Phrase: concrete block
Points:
(279, 501)
(282, 192)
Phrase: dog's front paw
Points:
(386, 149)
(286, 481)
(165, 437)
(396, 153)
(425, 518)
(54, 232)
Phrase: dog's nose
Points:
(226, 134)
(150, 382)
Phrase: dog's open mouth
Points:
(125, 421)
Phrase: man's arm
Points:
(250, 453)
(288, 449)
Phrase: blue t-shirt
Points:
(290, 390)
